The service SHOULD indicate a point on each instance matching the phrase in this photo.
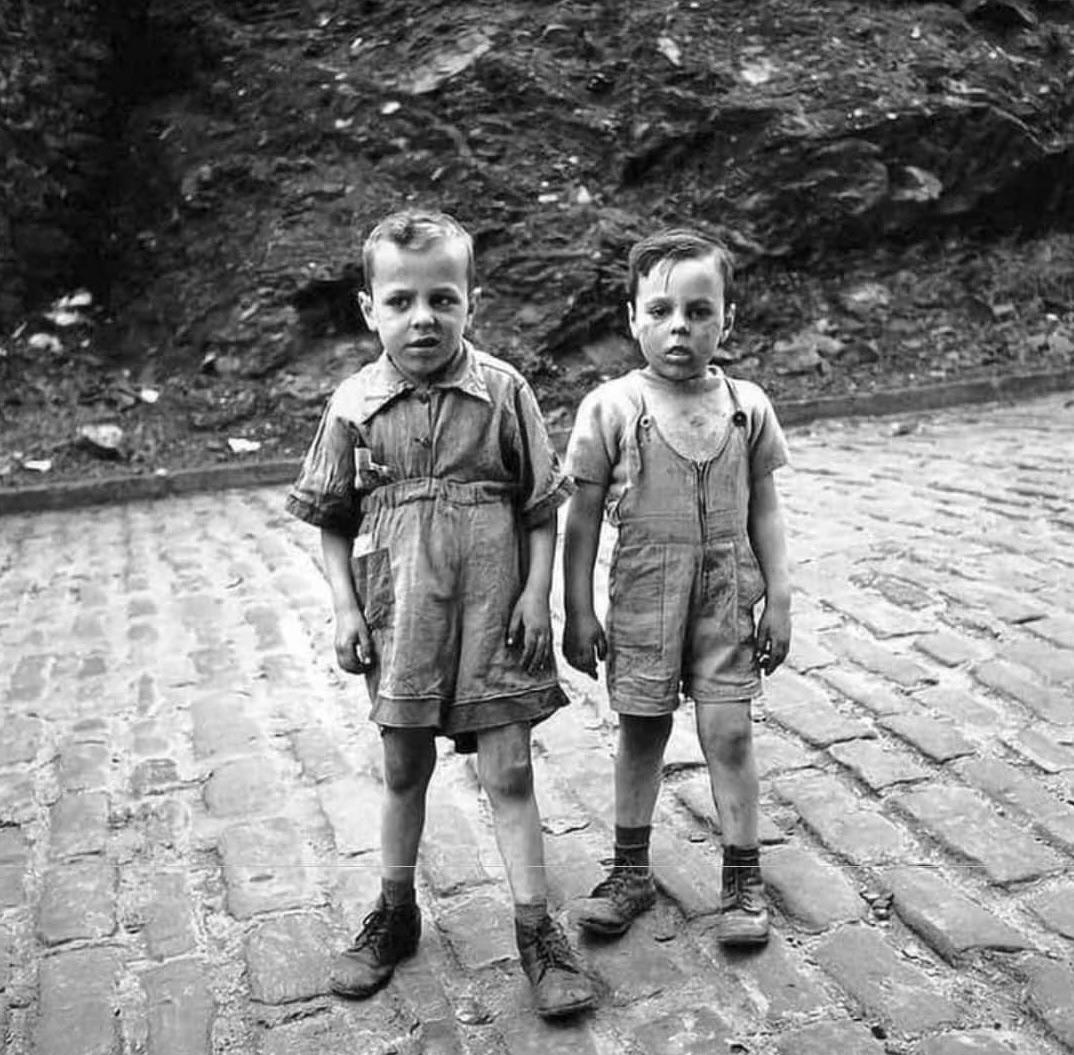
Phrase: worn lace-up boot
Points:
(743, 918)
(617, 900)
(389, 934)
(559, 985)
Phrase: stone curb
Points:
(284, 470)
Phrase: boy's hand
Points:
(354, 643)
(531, 629)
(584, 643)
(773, 637)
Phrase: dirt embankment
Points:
(894, 180)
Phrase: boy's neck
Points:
(712, 378)
(429, 379)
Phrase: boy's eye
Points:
(702, 311)
(658, 311)
(397, 301)
(444, 301)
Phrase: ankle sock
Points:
(632, 845)
(530, 914)
(739, 860)
(397, 893)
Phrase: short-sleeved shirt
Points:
(437, 482)
(594, 453)
(479, 422)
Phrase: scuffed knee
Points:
(506, 781)
(734, 749)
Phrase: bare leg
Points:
(726, 734)
(392, 931)
(629, 889)
(638, 768)
(505, 769)
(506, 773)
(409, 761)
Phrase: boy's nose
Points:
(423, 314)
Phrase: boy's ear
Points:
(728, 323)
(365, 302)
(474, 298)
(632, 319)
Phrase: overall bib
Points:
(684, 578)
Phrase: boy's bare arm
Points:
(583, 636)
(531, 621)
(353, 644)
(769, 540)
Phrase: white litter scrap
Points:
(148, 395)
(758, 71)
(38, 465)
(81, 298)
(670, 50)
(238, 445)
(45, 342)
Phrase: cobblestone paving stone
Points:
(188, 788)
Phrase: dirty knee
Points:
(734, 750)
(511, 781)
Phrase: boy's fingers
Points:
(513, 628)
(602, 650)
(530, 646)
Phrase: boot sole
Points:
(742, 939)
(603, 930)
(587, 1004)
(367, 991)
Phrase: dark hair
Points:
(416, 229)
(678, 243)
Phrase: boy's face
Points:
(419, 304)
(678, 317)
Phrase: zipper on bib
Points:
(702, 505)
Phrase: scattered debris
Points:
(439, 67)
(238, 445)
(758, 71)
(103, 440)
(865, 298)
(45, 342)
(471, 1012)
(670, 50)
(37, 465)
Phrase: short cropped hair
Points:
(416, 230)
(678, 243)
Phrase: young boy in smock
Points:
(680, 459)
(435, 488)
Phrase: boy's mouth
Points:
(423, 342)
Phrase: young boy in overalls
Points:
(435, 487)
(680, 458)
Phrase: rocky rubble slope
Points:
(895, 179)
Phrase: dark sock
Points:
(736, 859)
(632, 845)
(397, 893)
(530, 914)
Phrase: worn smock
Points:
(684, 578)
(437, 484)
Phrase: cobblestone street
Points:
(189, 788)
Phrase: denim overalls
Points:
(684, 578)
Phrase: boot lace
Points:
(621, 882)
(377, 934)
(552, 951)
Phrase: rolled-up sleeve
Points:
(545, 487)
(593, 448)
(768, 444)
(324, 493)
